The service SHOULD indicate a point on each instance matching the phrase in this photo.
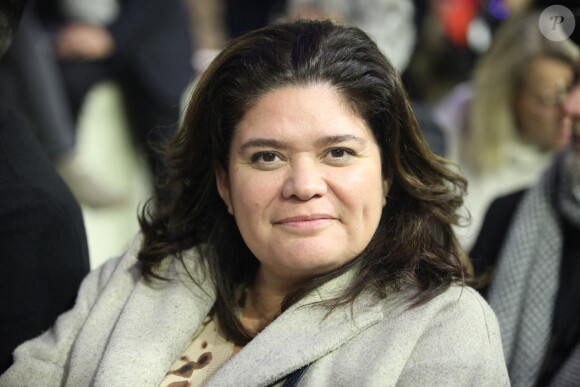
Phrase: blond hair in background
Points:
(498, 75)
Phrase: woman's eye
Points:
(340, 154)
(266, 160)
(267, 157)
(337, 152)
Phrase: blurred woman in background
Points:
(505, 127)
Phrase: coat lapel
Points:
(157, 322)
(301, 335)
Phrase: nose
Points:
(572, 103)
(304, 181)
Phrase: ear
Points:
(386, 187)
(223, 186)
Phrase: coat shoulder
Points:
(457, 330)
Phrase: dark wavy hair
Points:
(414, 243)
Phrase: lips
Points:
(306, 221)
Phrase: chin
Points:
(314, 262)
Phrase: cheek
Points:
(545, 124)
(361, 190)
(536, 122)
(251, 196)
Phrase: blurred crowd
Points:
(489, 90)
(486, 84)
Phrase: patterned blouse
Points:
(207, 352)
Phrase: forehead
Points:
(301, 110)
(547, 70)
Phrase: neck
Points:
(263, 301)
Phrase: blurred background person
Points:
(529, 246)
(144, 46)
(504, 127)
(31, 79)
(43, 245)
(106, 115)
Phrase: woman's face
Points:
(305, 183)
(538, 105)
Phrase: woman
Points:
(506, 126)
(530, 242)
(311, 227)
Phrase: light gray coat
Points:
(124, 331)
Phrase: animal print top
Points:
(207, 352)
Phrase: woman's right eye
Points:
(267, 160)
(266, 156)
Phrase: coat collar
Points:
(301, 335)
(158, 322)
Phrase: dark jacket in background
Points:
(566, 321)
(43, 245)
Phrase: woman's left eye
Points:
(340, 153)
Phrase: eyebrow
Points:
(338, 139)
(262, 143)
(271, 143)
